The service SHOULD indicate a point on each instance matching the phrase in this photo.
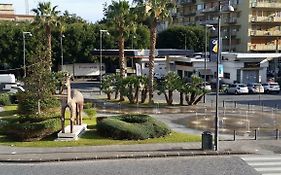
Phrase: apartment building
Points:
(7, 13)
(254, 26)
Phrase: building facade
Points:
(254, 26)
(7, 13)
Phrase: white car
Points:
(255, 88)
(237, 89)
(270, 87)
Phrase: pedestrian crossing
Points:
(264, 164)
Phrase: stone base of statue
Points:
(78, 130)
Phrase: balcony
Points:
(263, 47)
(274, 5)
(265, 33)
(265, 19)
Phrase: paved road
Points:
(158, 166)
(265, 164)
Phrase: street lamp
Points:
(229, 9)
(101, 32)
(134, 37)
(61, 49)
(207, 26)
(24, 65)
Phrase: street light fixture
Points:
(24, 64)
(207, 26)
(101, 32)
(61, 49)
(229, 9)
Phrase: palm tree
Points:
(156, 11)
(46, 17)
(121, 17)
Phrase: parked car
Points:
(237, 89)
(271, 87)
(255, 88)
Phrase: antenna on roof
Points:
(26, 7)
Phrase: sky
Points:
(90, 10)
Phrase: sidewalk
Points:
(25, 155)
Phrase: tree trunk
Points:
(181, 98)
(198, 99)
(151, 60)
(170, 97)
(143, 95)
(187, 98)
(122, 59)
(136, 97)
(166, 97)
(108, 96)
(49, 48)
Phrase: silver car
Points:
(238, 88)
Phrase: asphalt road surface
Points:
(228, 165)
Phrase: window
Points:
(226, 75)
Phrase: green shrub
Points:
(30, 130)
(90, 112)
(5, 99)
(132, 127)
(87, 105)
(28, 104)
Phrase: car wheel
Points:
(267, 91)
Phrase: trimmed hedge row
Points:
(27, 130)
(131, 127)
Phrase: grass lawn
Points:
(91, 137)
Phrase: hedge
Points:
(131, 127)
(28, 130)
(5, 99)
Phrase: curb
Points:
(121, 156)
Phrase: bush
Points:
(28, 104)
(90, 112)
(87, 105)
(23, 129)
(132, 127)
(5, 99)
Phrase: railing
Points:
(266, 5)
(265, 33)
(265, 19)
(263, 47)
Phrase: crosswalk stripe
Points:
(264, 164)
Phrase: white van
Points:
(7, 78)
(8, 84)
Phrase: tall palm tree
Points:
(121, 17)
(156, 11)
(46, 17)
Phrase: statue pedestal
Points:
(77, 131)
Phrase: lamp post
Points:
(61, 49)
(184, 41)
(229, 9)
(24, 64)
(207, 26)
(101, 32)
(133, 37)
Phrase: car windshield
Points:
(241, 85)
